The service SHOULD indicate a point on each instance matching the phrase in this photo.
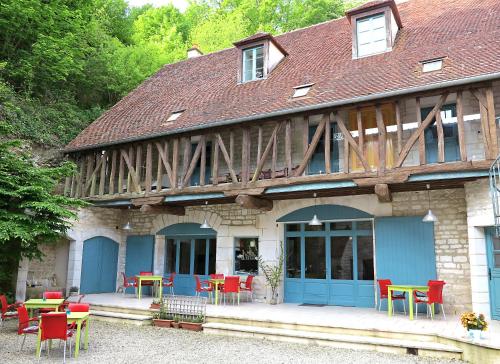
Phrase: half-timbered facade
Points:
(367, 121)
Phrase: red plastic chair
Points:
(146, 283)
(54, 326)
(24, 324)
(52, 295)
(247, 287)
(201, 289)
(231, 285)
(433, 295)
(169, 282)
(129, 282)
(79, 307)
(7, 312)
(218, 276)
(384, 294)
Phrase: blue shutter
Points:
(139, 255)
(99, 265)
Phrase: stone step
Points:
(121, 309)
(130, 318)
(357, 342)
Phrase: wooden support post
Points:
(254, 203)
(346, 156)
(328, 137)
(231, 147)
(132, 174)
(88, 175)
(274, 156)
(348, 137)
(138, 163)
(185, 160)
(149, 168)
(102, 177)
(129, 165)
(121, 172)
(163, 158)
(490, 104)
(461, 128)
(288, 146)
(361, 131)
(79, 185)
(203, 160)
(383, 192)
(159, 170)
(263, 158)
(194, 161)
(382, 137)
(245, 156)
(225, 154)
(112, 173)
(421, 137)
(399, 126)
(420, 130)
(305, 135)
(175, 162)
(312, 147)
(440, 135)
(215, 166)
(259, 145)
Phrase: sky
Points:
(180, 4)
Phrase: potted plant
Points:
(176, 322)
(193, 323)
(156, 304)
(273, 274)
(474, 324)
(73, 291)
(162, 318)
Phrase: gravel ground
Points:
(121, 343)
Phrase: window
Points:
(175, 115)
(341, 257)
(430, 66)
(301, 91)
(190, 255)
(246, 256)
(170, 256)
(317, 163)
(293, 257)
(371, 35)
(253, 63)
(450, 133)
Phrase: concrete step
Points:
(121, 309)
(357, 342)
(110, 316)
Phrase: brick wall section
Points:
(451, 244)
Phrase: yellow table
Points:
(215, 283)
(141, 278)
(79, 318)
(404, 288)
(40, 303)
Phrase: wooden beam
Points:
(186, 158)
(245, 156)
(131, 170)
(399, 126)
(421, 137)
(382, 139)
(263, 158)
(88, 175)
(259, 144)
(79, 185)
(328, 137)
(102, 177)
(148, 181)
(131, 158)
(490, 103)
(485, 126)
(351, 141)
(226, 157)
(346, 168)
(254, 203)
(288, 145)
(175, 163)
(440, 135)
(461, 128)
(215, 166)
(231, 147)
(138, 163)
(203, 161)
(150, 200)
(312, 147)
(91, 179)
(163, 157)
(194, 161)
(274, 156)
(163, 209)
(383, 192)
(305, 135)
(112, 173)
(361, 131)
(121, 172)
(416, 134)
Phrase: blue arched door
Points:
(99, 265)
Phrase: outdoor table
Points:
(215, 282)
(41, 303)
(79, 318)
(141, 278)
(404, 288)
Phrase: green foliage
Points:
(273, 273)
(30, 212)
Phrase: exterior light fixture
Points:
(430, 217)
(315, 221)
(128, 225)
(205, 224)
(252, 243)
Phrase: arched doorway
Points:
(330, 264)
(189, 250)
(99, 265)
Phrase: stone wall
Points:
(450, 234)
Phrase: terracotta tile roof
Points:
(467, 32)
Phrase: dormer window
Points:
(302, 90)
(253, 63)
(175, 115)
(371, 35)
(374, 27)
(258, 55)
(432, 65)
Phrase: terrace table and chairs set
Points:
(220, 284)
(417, 294)
(56, 318)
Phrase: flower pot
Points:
(162, 323)
(475, 334)
(175, 325)
(155, 306)
(192, 326)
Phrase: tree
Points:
(30, 212)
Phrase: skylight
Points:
(432, 65)
(175, 115)
(302, 90)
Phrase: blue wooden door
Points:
(493, 249)
(405, 251)
(99, 265)
(139, 256)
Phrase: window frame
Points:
(265, 49)
(387, 12)
(235, 240)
